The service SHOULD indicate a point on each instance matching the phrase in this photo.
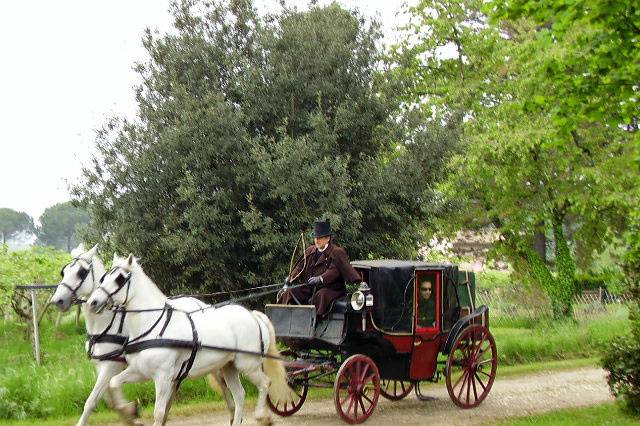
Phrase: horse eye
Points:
(62, 271)
(102, 277)
(82, 273)
(121, 280)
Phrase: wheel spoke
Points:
(458, 381)
(462, 387)
(367, 398)
(475, 390)
(362, 405)
(485, 361)
(364, 372)
(480, 381)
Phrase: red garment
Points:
(335, 269)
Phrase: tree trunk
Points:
(564, 289)
(68, 244)
(540, 243)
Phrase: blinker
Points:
(82, 273)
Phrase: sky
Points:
(65, 68)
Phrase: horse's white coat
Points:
(95, 324)
(231, 326)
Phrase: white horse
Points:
(79, 279)
(175, 341)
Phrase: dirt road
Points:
(515, 396)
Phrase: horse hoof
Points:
(265, 421)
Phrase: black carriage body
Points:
(388, 331)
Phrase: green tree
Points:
(519, 172)
(59, 225)
(13, 222)
(246, 134)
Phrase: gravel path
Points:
(510, 397)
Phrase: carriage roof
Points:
(392, 282)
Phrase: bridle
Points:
(83, 273)
(121, 281)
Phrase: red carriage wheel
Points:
(286, 409)
(395, 390)
(356, 389)
(300, 386)
(471, 367)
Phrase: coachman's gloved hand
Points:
(315, 281)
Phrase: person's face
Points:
(321, 242)
(425, 289)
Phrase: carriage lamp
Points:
(362, 297)
(358, 300)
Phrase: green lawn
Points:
(599, 415)
(59, 388)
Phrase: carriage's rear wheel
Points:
(395, 390)
(356, 389)
(300, 386)
(471, 367)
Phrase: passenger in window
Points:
(426, 305)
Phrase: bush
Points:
(622, 357)
(622, 360)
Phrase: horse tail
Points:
(279, 389)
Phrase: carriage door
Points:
(426, 342)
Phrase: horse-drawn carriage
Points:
(374, 341)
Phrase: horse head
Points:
(79, 279)
(115, 285)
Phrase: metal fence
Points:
(512, 306)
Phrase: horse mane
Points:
(136, 270)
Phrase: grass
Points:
(185, 409)
(59, 388)
(550, 340)
(605, 414)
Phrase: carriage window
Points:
(427, 302)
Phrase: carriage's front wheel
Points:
(471, 367)
(395, 390)
(300, 386)
(289, 408)
(356, 389)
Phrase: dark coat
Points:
(335, 269)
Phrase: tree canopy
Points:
(249, 128)
(13, 222)
(523, 170)
(60, 225)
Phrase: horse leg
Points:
(129, 414)
(105, 372)
(232, 378)
(221, 386)
(262, 382)
(129, 375)
(165, 390)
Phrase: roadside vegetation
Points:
(598, 415)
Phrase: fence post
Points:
(36, 334)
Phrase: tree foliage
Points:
(249, 128)
(522, 170)
(37, 265)
(13, 222)
(59, 225)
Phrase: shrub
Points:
(622, 360)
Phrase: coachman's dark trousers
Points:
(322, 298)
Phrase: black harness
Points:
(104, 336)
(83, 273)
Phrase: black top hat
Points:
(321, 228)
